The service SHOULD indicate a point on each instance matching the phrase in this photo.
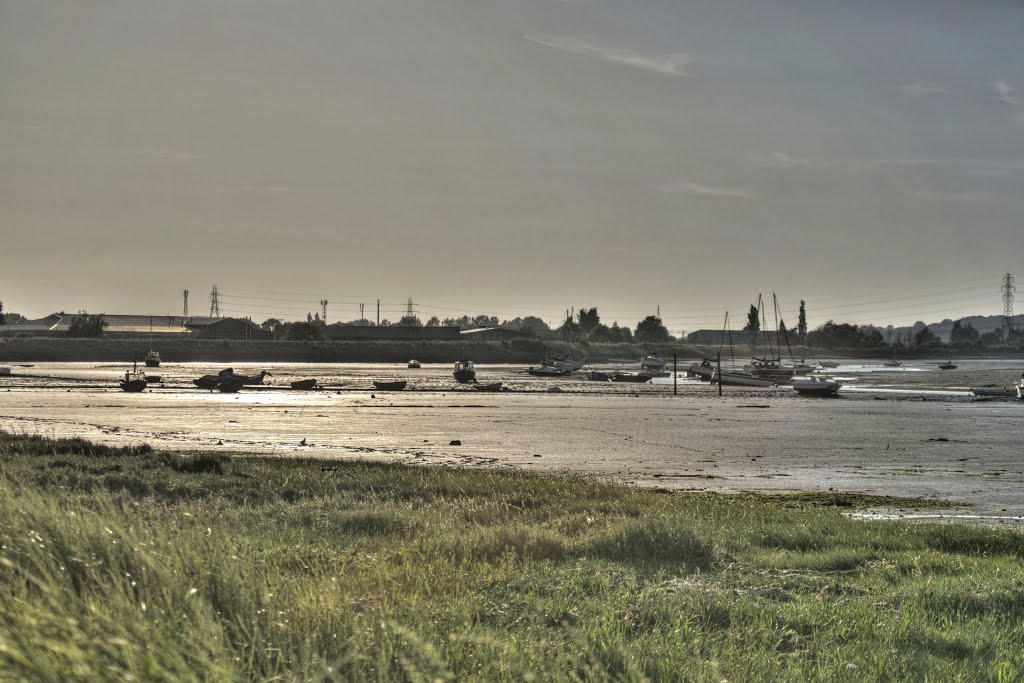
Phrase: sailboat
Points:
(737, 377)
(770, 366)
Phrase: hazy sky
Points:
(512, 157)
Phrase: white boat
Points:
(414, 364)
(741, 379)
(831, 364)
(769, 368)
(1020, 389)
(893, 364)
(153, 359)
(816, 386)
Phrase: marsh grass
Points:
(129, 563)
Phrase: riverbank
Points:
(133, 563)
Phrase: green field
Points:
(133, 564)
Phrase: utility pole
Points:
(408, 309)
(362, 314)
(185, 311)
(378, 312)
(214, 303)
(323, 305)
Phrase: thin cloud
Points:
(971, 197)
(701, 190)
(922, 88)
(588, 46)
(782, 160)
(165, 154)
(1005, 90)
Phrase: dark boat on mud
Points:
(390, 386)
(133, 382)
(495, 386)
(304, 384)
(464, 372)
(231, 385)
(636, 378)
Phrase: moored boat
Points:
(893, 364)
(741, 379)
(769, 368)
(494, 386)
(704, 370)
(230, 385)
(153, 359)
(252, 379)
(414, 364)
(464, 372)
(153, 379)
(994, 392)
(5, 371)
(397, 385)
(948, 365)
(595, 376)
(816, 386)
(831, 364)
(652, 362)
(211, 381)
(304, 384)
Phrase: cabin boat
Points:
(390, 386)
(414, 364)
(133, 382)
(464, 372)
(652, 362)
(816, 386)
(153, 359)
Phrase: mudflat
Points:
(887, 436)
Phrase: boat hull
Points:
(741, 379)
(496, 386)
(390, 386)
(817, 387)
(304, 384)
(134, 386)
(465, 376)
(631, 378)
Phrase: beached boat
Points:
(770, 368)
(741, 379)
(304, 384)
(153, 359)
(893, 364)
(704, 370)
(248, 380)
(414, 364)
(494, 386)
(548, 371)
(230, 385)
(994, 392)
(948, 365)
(211, 381)
(635, 377)
(595, 376)
(831, 364)
(464, 372)
(134, 381)
(816, 386)
(153, 379)
(652, 362)
(397, 385)
(563, 363)
(5, 371)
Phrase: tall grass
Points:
(128, 563)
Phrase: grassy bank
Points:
(129, 562)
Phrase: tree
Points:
(570, 331)
(410, 321)
(588, 319)
(3, 320)
(271, 324)
(753, 320)
(86, 325)
(801, 323)
(305, 331)
(651, 329)
(433, 322)
(964, 335)
(926, 338)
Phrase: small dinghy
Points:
(304, 384)
(414, 364)
(495, 386)
(390, 386)
(153, 379)
(816, 386)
